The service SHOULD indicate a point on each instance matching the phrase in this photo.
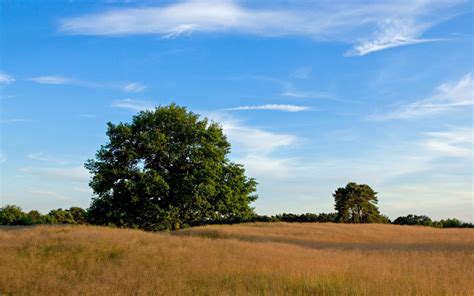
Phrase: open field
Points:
(248, 259)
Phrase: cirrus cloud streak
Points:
(274, 107)
(396, 23)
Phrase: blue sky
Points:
(311, 94)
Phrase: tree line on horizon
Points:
(12, 215)
(169, 168)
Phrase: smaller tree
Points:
(356, 203)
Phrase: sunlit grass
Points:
(248, 259)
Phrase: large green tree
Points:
(357, 203)
(166, 168)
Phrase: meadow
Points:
(245, 259)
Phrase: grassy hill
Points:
(246, 259)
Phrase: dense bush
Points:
(451, 223)
(413, 220)
(426, 221)
(35, 217)
(79, 215)
(308, 217)
(61, 216)
(13, 215)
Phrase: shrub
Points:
(61, 216)
(450, 223)
(78, 214)
(12, 215)
(413, 220)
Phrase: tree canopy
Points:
(166, 168)
(413, 220)
(356, 203)
(13, 215)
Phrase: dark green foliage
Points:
(79, 215)
(12, 215)
(451, 223)
(383, 219)
(413, 220)
(48, 219)
(61, 216)
(166, 168)
(308, 217)
(327, 217)
(356, 203)
(426, 221)
(35, 217)
(467, 225)
(285, 217)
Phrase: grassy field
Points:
(247, 259)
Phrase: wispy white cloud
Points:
(52, 80)
(255, 147)
(302, 73)
(13, 120)
(275, 107)
(447, 97)
(75, 173)
(305, 94)
(134, 87)
(415, 164)
(267, 167)
(47, 186)
(131, 87)
(6, 79)
(248, 139)
(457, 142)
(270, 156)
(393, 33)
(420, 156)
(40, 156)
(63, 80)
(48, 193)
(133, 105)
(429, 198)
(4, 97)
(85, 189)
(398, 23)
(172, 20)
(385, 42)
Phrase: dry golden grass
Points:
(248, 259)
